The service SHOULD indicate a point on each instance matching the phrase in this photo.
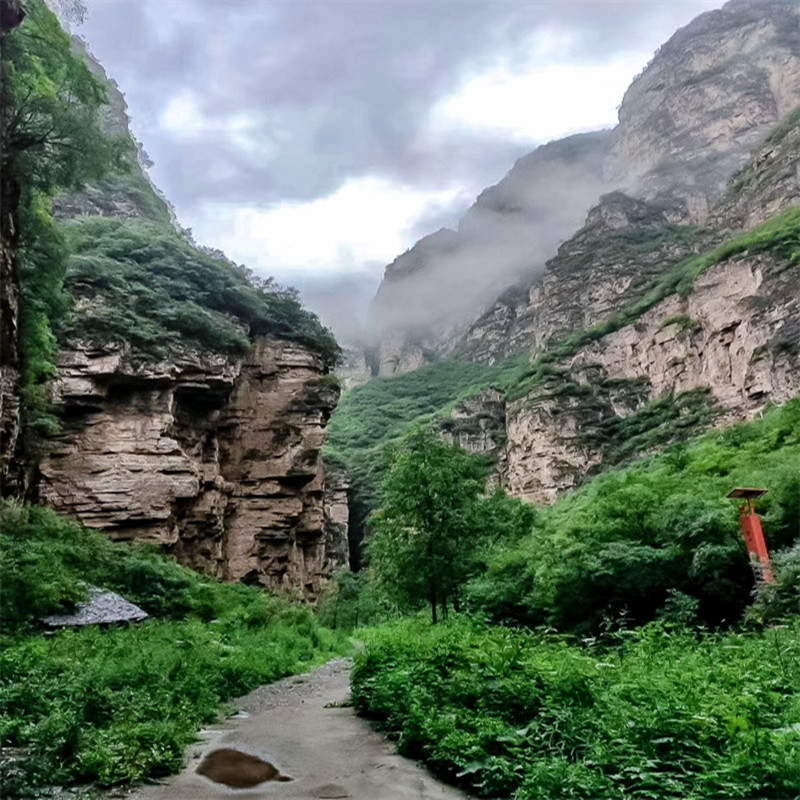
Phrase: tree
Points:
(427, 532)
(50, 140)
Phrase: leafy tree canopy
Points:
(433, 525)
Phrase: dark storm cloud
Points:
(334, 89)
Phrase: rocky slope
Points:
(428, 292)
(217, 461)
(213, 454)
(686, 125)
(658, 353)
(644, 330)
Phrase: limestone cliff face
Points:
(687, 124)
(478, 425)
(218, 461)
(719, 354)
(710, 95)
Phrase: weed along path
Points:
(298, 738)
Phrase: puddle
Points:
(238, 770)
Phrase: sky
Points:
(315, 140)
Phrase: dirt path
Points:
(299, 726)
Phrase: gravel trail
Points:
(304, 730)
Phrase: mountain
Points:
(686, 125)
(672, 307)
(178, 400)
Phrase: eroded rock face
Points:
(430, 293)
(478, 425)
(217, 461)
(337, 519)
(736, 337)
(708, 97)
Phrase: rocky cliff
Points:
(654, 331)
(428, 293)
(686, 125)
(217, 461)
(673, 308)
(192, 400)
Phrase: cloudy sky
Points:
(315, 140)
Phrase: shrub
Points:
(657, 713)
(117, 705)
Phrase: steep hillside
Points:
(686, 125)
(642, 332)
(176, 398)
(428, 292)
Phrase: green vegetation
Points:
(433, 525)
(779, 236)
(784, 127)
(148, 286)
(49, 141)
(618, 550)
(380, 411)
(660, 422)
(117, 705)
(659, 712)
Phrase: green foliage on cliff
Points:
(49, 141)
(619, 549)
(141, 283)
(779, 236)
(656, 713)
(660, 422)
(117, 705)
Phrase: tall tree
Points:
(427, 530)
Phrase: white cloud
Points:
(366, 220)
(541, 103)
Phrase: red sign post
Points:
(753, 534)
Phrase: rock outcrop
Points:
(708, 97)
(719, 354)
(218, 461)
(687, 124)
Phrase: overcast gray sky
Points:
(315, 139)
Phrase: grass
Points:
(656, 713)
(120, 705)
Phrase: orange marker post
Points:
(753, 534)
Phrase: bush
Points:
(659, 713)
(118, 705)
(155, 290)
(624, 544)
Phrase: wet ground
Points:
(298, 738)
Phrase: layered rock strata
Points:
(217, 461)
(719, 354)
(687, 124)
